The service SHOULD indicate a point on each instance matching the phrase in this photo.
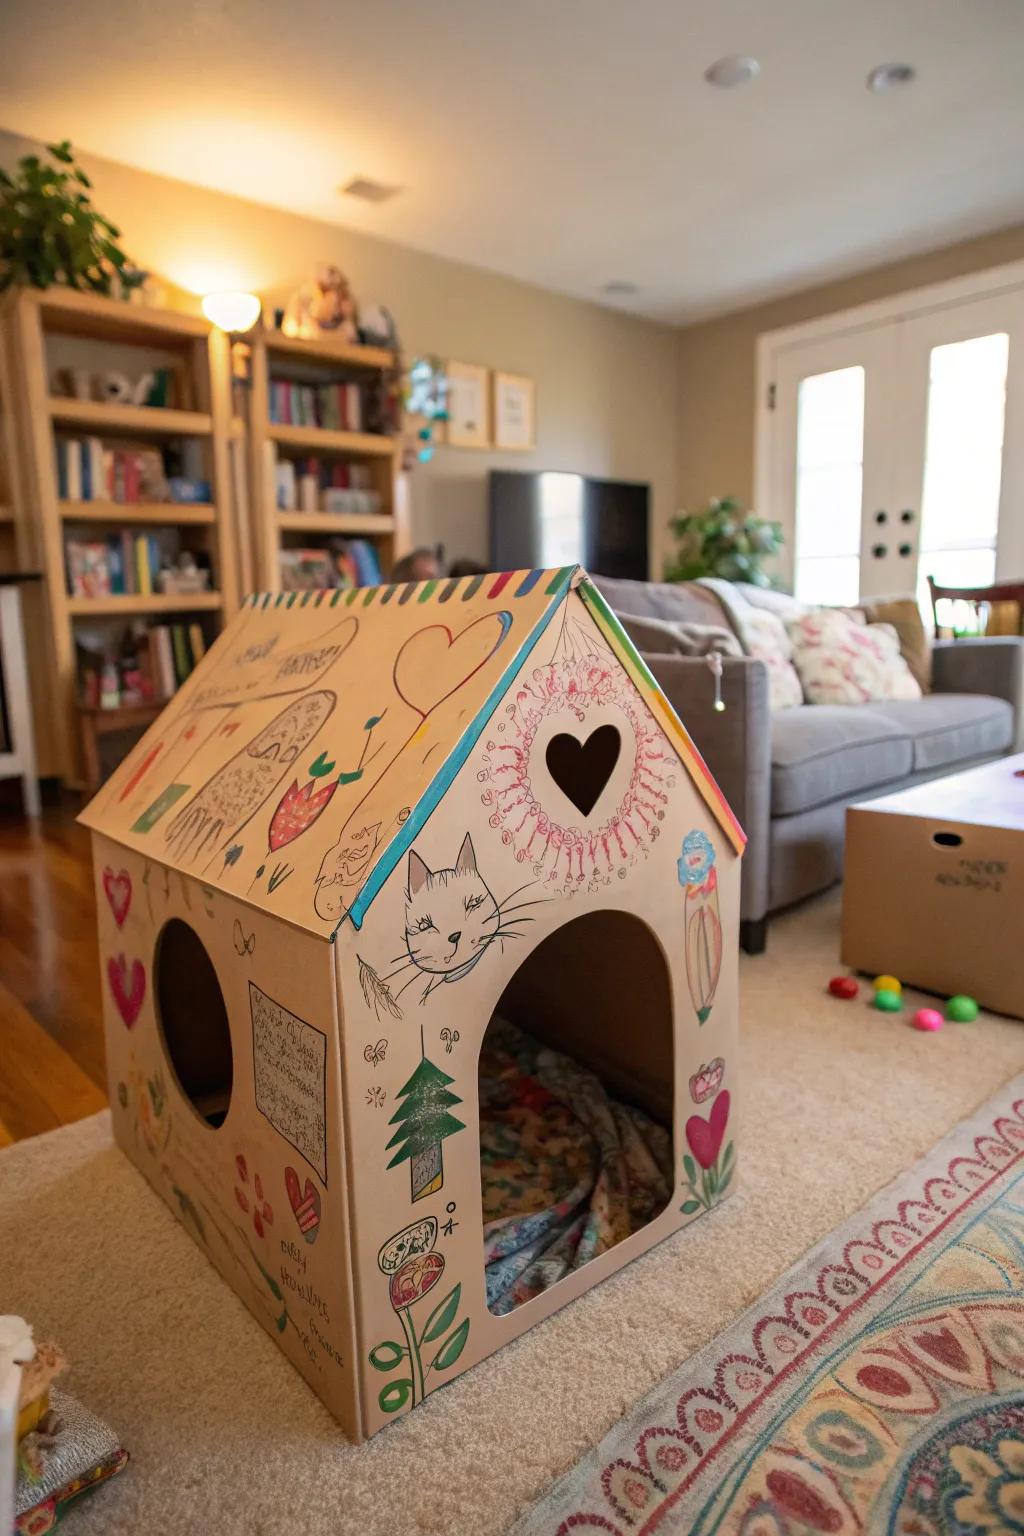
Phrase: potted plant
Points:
(50, 233)
(723, 540)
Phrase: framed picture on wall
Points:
(469, 406)
(513, 411)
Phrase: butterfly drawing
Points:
(244, 944)
(375, 1054)
(450, 1038)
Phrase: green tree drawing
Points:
(423, 1122)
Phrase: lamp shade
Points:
(232, 311)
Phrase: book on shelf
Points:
(125, 563)
(342, 563)
(146, 666)
(337, 407)
(90, 469)
(313, 485)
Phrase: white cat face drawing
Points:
(450, 914)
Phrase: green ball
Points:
(889, 1002)
(961, 1009)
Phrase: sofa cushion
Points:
(667, 637)
(949, 728)
(821, 752)
(684, 602)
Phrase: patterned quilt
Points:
(567, 1171)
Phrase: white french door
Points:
(891, 443)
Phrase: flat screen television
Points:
(554, 519)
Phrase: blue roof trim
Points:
(442, 780)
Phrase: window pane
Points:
(964, 447)
(829, 477)
(831, 581)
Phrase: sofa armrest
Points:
(991, 664)
(736, 745)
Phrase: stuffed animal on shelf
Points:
(325, 304)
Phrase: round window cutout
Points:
(193, 1020)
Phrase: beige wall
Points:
(606, 383)
(715, 437)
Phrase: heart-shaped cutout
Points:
(305, 1204)
(433, 663)
(705, 1136)
(581, 769)
(128, 987)
(119, 893)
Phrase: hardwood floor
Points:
(51, 1028)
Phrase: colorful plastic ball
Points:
(843, 986)
(927, 1018)
(888, 984)
(888, 1002)
(961, 1009)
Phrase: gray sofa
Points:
(789, 776)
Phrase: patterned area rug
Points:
(879, 1388)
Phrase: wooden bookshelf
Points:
(36, 330)
(163, 514)
(356, 524)
(95, 416)
(133, 604)
(321, 361)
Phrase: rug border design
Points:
(877, 1245)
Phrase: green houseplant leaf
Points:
(50, 232)
(723, 540)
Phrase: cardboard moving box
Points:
(934, 886)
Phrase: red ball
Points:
(843, 986)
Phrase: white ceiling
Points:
(565, 142)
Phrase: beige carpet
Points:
(226, 1438)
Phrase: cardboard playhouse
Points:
(418, 921)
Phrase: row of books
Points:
(340, 407)
(88, 469)
(343, 563)
(146, 667)
(126, 562)
(310, 485)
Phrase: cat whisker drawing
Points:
(451, 920)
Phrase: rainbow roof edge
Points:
(308, 748)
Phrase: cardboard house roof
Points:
(303, 755)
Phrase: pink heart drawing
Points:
(119, 893)
(705, 1136)
(128, 985)
(305, 1204)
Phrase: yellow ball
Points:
(888, 984)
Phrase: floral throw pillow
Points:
(843, 662)
(765, 637)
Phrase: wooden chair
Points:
(997, 599)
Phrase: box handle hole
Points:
(947, 839)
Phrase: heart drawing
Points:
(128, 986)
(119, 893)
(305, 1204)
(581, 769)
(705, 1136)
(434, 663)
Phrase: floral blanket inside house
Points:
(567, 1171)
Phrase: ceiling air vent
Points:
(369, 191)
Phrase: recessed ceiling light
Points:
(887, 77)
(735, 69)
(618, 289)
(368, 190)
